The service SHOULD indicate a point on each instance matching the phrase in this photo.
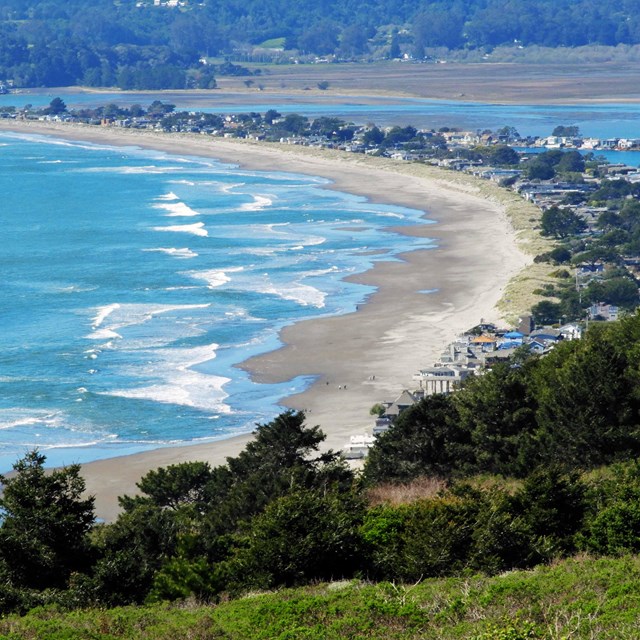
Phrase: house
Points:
(443, 379)
(571, 332)
(405, 400)
(526, 325)
(602, 311)
(358, 447)
(484, 343)
(546, 335)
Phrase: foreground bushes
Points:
(579, 599)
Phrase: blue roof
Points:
(510, 345)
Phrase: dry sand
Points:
(390, 337)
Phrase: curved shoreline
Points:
(397, 331)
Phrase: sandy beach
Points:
(399, 330)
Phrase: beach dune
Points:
(419, 304)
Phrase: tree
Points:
(304, 536)
(158, 108)
(497, 410)
(44, 533)
(394, 49)
(582, 418)
(174, 486)
(271, 115)
(539, 170)
(546, 312)
(571, 161)
(504, 155)
(621, 291)
(425, 439)
(564, 131)
(56, 107)
(561, 223)
(321, 39)
(559, 255)
(353, 40)
(191, 518)
(373, 137)
(552, 503)
(295, 123)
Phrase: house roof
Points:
(483, 340)
(405, 399)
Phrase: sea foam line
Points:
(214, 277)
(197, 229)
(184, 252)
(103, 313)
(126, 315)
(168, 196)
(177, 210)
(259, 203)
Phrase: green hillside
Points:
(581, 598)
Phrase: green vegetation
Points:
(579, 599)
(135, 44)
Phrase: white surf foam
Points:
(178, 383)
(17, 417)
(228, 188)
(168, 196)
(127, 315)
(126, 170)
(197, 229)
(303, 294)
(104, 334)
(390, 215)
(189, 183)
(103, 313)
(259, 203)
(214, 277)
(184, 252)
(177, 210)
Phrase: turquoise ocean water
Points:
(133, 282)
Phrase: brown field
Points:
(483, 82)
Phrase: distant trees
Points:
(124, 43)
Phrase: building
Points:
(443, 379)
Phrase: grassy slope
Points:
(578, 598)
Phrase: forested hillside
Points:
(140, 44)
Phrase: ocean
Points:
(134, 282)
